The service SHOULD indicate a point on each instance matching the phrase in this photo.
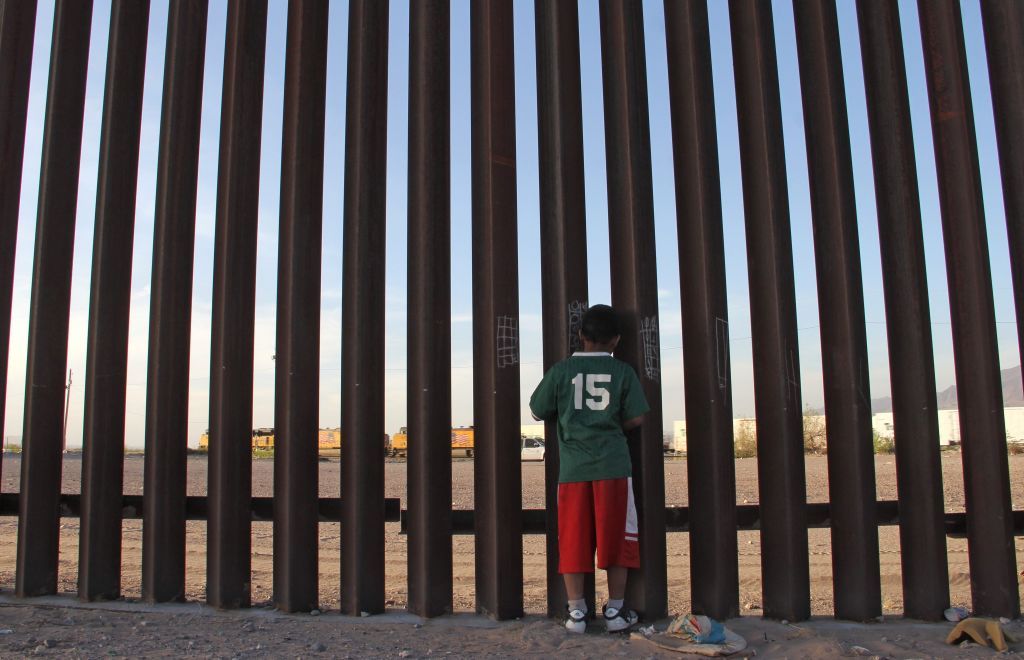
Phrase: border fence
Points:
(498, 521)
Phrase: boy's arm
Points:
(634, 403)
(632, 423)
(543, 403)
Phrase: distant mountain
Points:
(1013, 389)
(1013, 393)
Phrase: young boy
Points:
(594, 398)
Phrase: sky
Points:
(461, 210)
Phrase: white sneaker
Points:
(576, 622)
(618, 620)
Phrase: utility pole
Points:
(67, 402)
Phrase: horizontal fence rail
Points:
(261, 509)
(782, 516)
(677, 518)
(748, 518)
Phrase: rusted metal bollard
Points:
(362, 341)
(497, 484)
(38, 523)
(856, 581)
(17, 31)
(1003, 21)
(634, 280)
(163, 530)
(429, 331)
(563, 231)
(711, 471)
(908, 320)
(297, 373)
(785, 580)
(229, 536)
(99, 549)
(979, 389)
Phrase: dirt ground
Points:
(534, 635)
(61, 626)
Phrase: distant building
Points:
(1014, 424)
(678, 437)
(949, 425)
(532, 430)
(678, 443)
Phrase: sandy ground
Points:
(532, 636)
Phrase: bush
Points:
(815, 436)
(745, 441)
(884, 445)
(1015, 448)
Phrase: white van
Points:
(533, 449)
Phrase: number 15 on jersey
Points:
(597, 396)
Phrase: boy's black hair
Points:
(600, 324)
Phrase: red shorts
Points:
(597, 515)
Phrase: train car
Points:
(399, 445)
(263, 438)
(328, 440)
(461, 442)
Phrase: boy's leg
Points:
(574, 585)
(575, 547)
(617, 617)
(616, 525)
(618, 547)
(575, 530)
(616, 582)
(576, 609)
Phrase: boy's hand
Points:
(632, 423)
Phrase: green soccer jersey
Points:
(590, 395)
